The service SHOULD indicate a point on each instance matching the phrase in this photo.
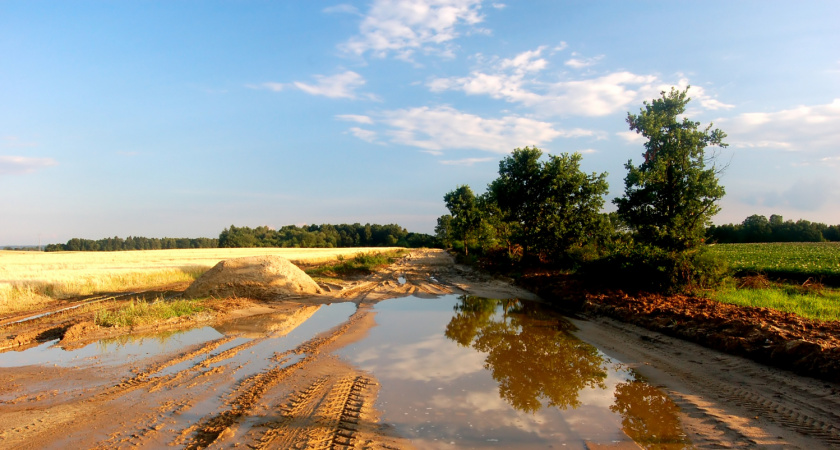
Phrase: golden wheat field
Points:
(32, 279)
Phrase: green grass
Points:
(361, 263)
(139, 312)
(803, 268)
(822, 304)
(796, 260)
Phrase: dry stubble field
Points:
(30, 280)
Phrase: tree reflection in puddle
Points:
(649, 416)
(503, 374)
(529, 354)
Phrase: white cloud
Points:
(276, 87)
(445, 128)
(514, 80)
(517, 80)
(696, 93)
(499, 5)
(16, 165)
(529, 61)
(342, 85)
(814, 130)
(341, 9)
(355, 118)
(599, 96)
(402, 27)
(426, 360)
(561, 46)
(466, 161)
(434, 130)
(580, 63)
(365, 135)
(587, 151)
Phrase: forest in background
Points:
(308, 236)
(757, 228)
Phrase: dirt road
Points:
(247, 387)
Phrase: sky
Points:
(179, 119)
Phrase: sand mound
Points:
(262, 277)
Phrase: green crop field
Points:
(818, 262)
(787, 259)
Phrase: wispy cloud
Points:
(435, 130)
(446, 128)
(355, 118)
(17, 165)
(16, 142)
(576, 62)
(402, 27)
(341, 9)
(342, 85)
(363, 134)
(814, 130)
(466, 161)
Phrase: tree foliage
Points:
(540, 207)
(466, 217)
(551, 205)
(670, 198)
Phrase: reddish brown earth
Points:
(784, 340)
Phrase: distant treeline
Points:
(131, 243)
(311, 236)
(758, 228)
(343, 235)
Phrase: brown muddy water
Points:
(454, 371)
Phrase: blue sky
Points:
(181, 118)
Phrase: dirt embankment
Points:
(784, 340)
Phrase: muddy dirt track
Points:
(241, 390)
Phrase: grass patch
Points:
(139, 312)
(822, 304)
(361, 264)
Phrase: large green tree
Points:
(670, 198)
(552, 205)
(466, 217)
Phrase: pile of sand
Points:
(261, 277)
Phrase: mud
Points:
(784, 340)
(269, 374)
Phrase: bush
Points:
(639, 266)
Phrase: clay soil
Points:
(305, 397)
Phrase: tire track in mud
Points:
(249, 392)
(323, 416)
(145, 377)
(285, 433)
(815, 412)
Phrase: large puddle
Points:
(469, 372)
(454, 371)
